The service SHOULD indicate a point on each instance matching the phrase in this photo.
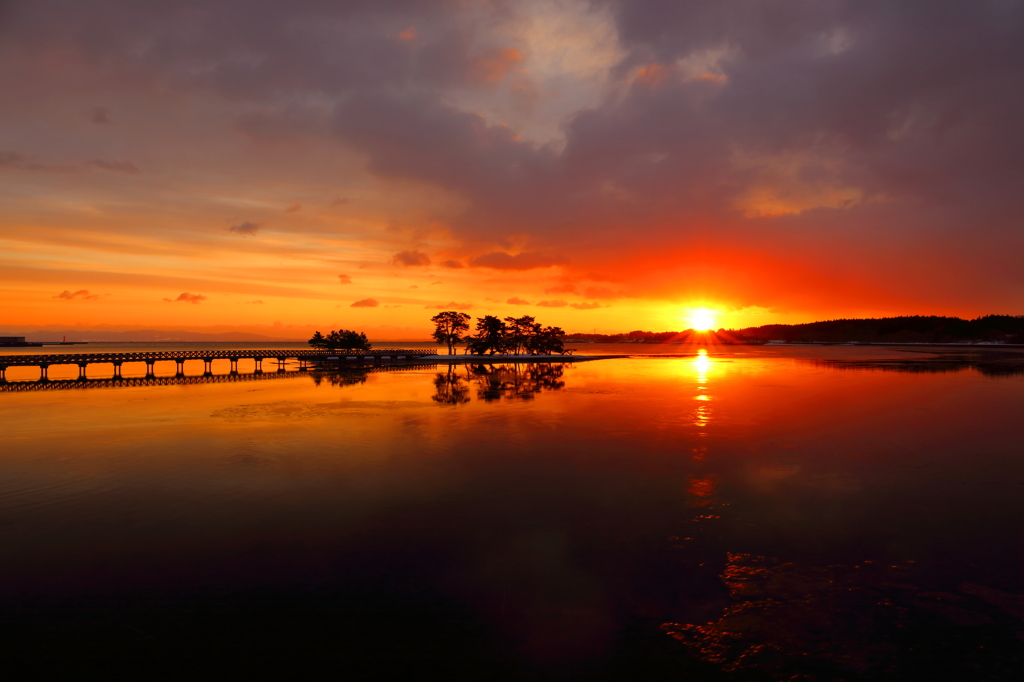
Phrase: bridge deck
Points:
(46, 359)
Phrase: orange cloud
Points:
(494, 64)
(410, 259)
(451, 305)
(527, 260)
(652, 75)
(365, 303)
(186, 297)
(515, 300)
(81, 293)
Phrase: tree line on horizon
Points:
(524, 335)
(496, 336)
(903, 329)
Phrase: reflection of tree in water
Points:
(346, 377)
(515, 382)
(761, 618)
(494, 382)
(450, 387)
(990, 363)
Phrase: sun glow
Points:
(702, 319)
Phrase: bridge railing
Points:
(155, 356)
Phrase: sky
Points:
(604, 166)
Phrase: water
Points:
(732, 513)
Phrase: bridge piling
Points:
(306, 359)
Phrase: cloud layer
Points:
(815, 159)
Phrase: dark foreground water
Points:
(732, 514)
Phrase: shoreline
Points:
(515, 358)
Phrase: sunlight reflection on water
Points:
(554, 510)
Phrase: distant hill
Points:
(141, 335)
(910, 329)
(907, 329)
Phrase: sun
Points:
(702, 319)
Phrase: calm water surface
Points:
(743, 513)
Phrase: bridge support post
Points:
(117, 370)
(150, 371)
(259, 365)
(81, 370)
(234, 365)
(208, 363)
(280, 364)
(3, 373)
(302, 365)
(181, 368)
(42, 373)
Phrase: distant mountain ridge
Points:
(905, 329)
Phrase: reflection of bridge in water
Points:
(306, 356)
(342, 377)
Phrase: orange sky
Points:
(275, 167)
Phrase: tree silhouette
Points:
(344, 339)
(449, 328)
(491, 336)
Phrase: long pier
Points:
(305, 357)
(183, 380)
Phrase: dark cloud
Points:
(83, 294)
(246, 229)
(186, 297)
(515, 300)
(114, 166)
(410, 259)
(801, 131)
(365, 303)
(552, 304)
(451, 264)
(344, 279)
(499, 260)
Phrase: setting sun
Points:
(702, 319)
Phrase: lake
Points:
(721, 513)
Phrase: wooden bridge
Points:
(305, 357)
(180, 380)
